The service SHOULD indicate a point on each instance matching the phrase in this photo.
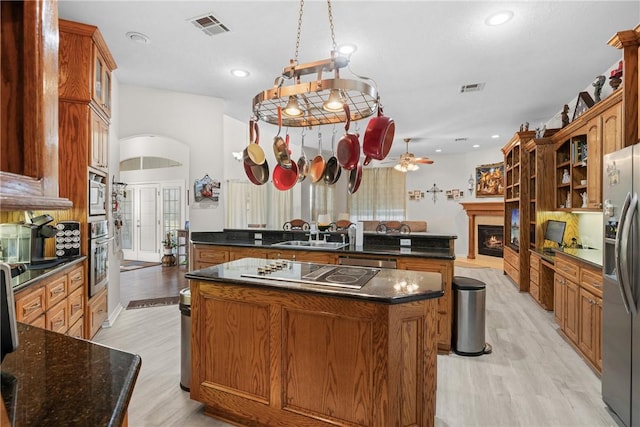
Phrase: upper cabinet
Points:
(629, 42)
(29, 109)
(85, 66)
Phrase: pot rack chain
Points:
(299, 30)
(362, 97)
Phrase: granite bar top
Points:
(423, 245)
(37, 272)
(56, 380)
(388, 286)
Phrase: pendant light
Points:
(319, 100)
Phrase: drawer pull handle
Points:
(75, 307)
(32, 307)
(57, 323)
(57, 291)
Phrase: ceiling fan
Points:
(408, 162)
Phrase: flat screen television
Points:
(555, 231)
(515, 227)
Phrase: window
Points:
(257, 206)
(322, 200)
(171, 220)
(381, 196)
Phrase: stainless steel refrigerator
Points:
(621, 289)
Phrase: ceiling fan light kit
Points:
(408, 162)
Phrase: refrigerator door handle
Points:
(624, 262)
(621, 246)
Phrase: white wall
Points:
(196, 121)
(448, 172)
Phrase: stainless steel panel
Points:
(635, 274)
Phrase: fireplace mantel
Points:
(474, 209)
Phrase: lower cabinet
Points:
(55, 303)
(511, 264)
(96, 312)
(578, 307)
(207, 255)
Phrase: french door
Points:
(141, 223)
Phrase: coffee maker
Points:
(40, 230)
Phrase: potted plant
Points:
(168, 245)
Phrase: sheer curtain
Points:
(381, 196)
(257, 206)
(322, 200)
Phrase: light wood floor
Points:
(532, 378)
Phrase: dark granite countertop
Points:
(591, 256)
(422, 245)
(56, 380)
(387, 286)
(37, 272)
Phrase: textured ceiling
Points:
(419, 52)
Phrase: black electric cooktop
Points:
(315, 274)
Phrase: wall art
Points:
(490, 180)
(206, 189)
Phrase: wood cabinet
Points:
(578, 307)
(55, 303)
(208, 255)
(541, 185)
(99, 146)
(29, 108)
(374, 365)
(102, 65)
(517, 214)
(96, 312)
(579, 151)
(541, 281)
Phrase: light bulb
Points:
(292, 109)
(334, 103)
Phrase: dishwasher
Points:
(368, 262)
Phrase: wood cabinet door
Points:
(99, 147)
(594, 165)
(572, 310)
(597, 328)
(30, 304)
(57, 318)
(558, 299)
(587, 337)
(612, 129)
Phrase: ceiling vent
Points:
(475, 87)
(460, 139)
(209, 24)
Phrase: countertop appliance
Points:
(621, 287)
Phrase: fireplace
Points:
(490, 240)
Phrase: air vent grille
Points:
(209, 24)
(475, 87)
(460, 139)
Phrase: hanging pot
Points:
(303, 163)
(349, 146)
(378, 137)
(280, 148)
(257, 174)
(355, 176)
(316, 170)
(253, 153)
(332, 169)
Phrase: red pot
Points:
(284, 179)
(348, 152)
(378, 137)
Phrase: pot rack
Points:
(361, 97)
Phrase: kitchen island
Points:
(428, 252)
(269, 349)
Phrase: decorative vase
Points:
(168, 259)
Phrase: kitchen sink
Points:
(313, 244)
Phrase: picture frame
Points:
(583, 103)
(490, 180)
(206, 188)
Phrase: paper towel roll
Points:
(359, 234)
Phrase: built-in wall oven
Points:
(98, 256)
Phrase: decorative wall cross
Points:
(434, 192)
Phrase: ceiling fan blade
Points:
(423, 160)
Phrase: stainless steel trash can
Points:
(469, 324)
(185, 339)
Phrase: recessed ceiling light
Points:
(499, 18)
(138, 37)
(496, 136)
(240, 73)
(347, 49)
(476, 145)
(438, 150)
